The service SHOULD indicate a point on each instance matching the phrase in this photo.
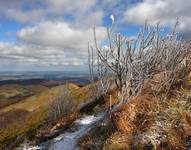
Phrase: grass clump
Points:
(97, 137)
(148, 122)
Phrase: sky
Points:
(49, 35)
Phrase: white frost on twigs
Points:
(112, 18)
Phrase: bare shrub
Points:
(129, 62)
(63, 103)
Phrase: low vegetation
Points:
(16, 131)
(13, 93)
(152, 76)
(63, 103)
(42, 113)
(27, 115)
(149, 122)
(145, 84)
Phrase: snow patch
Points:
(87, 120)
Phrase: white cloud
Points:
(84, 12)
(49, 44)
(25, 16)
(165, 11)
(70, 6)
(29, 55)
(47, 40)
(12, 3)
(56, 32)
(60, 34)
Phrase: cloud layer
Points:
(55, 36)
(56, 32)
(163, 11)
(60, 34)
(50, 44)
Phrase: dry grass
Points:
(63, 103)
(149, 71)
(84, 94)
(96, 138)
(37, 113)
(10, 94)
(21, 127)
(56, 125)
(117, 141)
(36, 89)
(37, 108)
(148, 122)
(13, 93)
(130, 116)
(112, 98)
(12, 116)
(34, 102)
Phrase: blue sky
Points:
(53, 34)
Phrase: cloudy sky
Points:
(53, 34)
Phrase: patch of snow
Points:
(26, 146)
(58, 138)
(67, 140)
(87, 120)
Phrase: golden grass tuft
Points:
(150, 122)
(117, 141)
(134, 115)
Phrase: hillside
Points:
(27, 115)
(13, 91)
(24, 116)
(146, 121)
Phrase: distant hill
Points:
(24, 116)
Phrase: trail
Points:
(68, 139)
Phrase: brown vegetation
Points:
(97, 137)
(25, 116)
(39, 115)
(16, 131)
(148, 122)
(12, 116)
(151, 73)
(52, 129)
(63, 103)
(130, 116)
(111, 98)
(13, 93)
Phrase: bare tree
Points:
(129, 62)
(63, 103)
